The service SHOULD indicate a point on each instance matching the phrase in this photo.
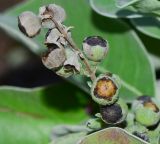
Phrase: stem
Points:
(75, 47)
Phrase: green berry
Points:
(146, 111)
(95, 48)
(94, 123)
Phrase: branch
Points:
(74, 47)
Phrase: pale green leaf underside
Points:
(120, 8)
(72, 138)
(111, 136)
(127, 56)
(27, 116)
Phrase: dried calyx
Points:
(53, 36)
(71, 66)
(54, 58)
(52, 17)
(105, 89)
(47, 13)
(29, 24)
(146, 111)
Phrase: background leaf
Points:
(27, 116)
(127, 53)
(108, 8)
(148, 25)
(125, 3)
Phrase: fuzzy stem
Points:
(75, 47)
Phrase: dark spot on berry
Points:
(95, 40)
(112, 113)
(144, 99)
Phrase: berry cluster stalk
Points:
(75, 47)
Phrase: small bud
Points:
(46, 14)
(29, 24)
(63, 72)
(146, 111)
(54, 58)
(95, 48)
(105, 89)
(115, 113)
(94, 123)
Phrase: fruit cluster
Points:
(66, 59)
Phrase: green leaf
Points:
(111, 136)
(113, 9)
(27, 116)
(148, 25)
(127, 56)
(72, 138)
(125, 3)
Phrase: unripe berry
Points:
(146, 111)
(95, 48)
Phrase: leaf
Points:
(111, 136)
(110, 8)
(158, 91)
(148, 25)
(72, 138)
(127, 56)
(27, 116)
(125, 3)
(155, 60)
